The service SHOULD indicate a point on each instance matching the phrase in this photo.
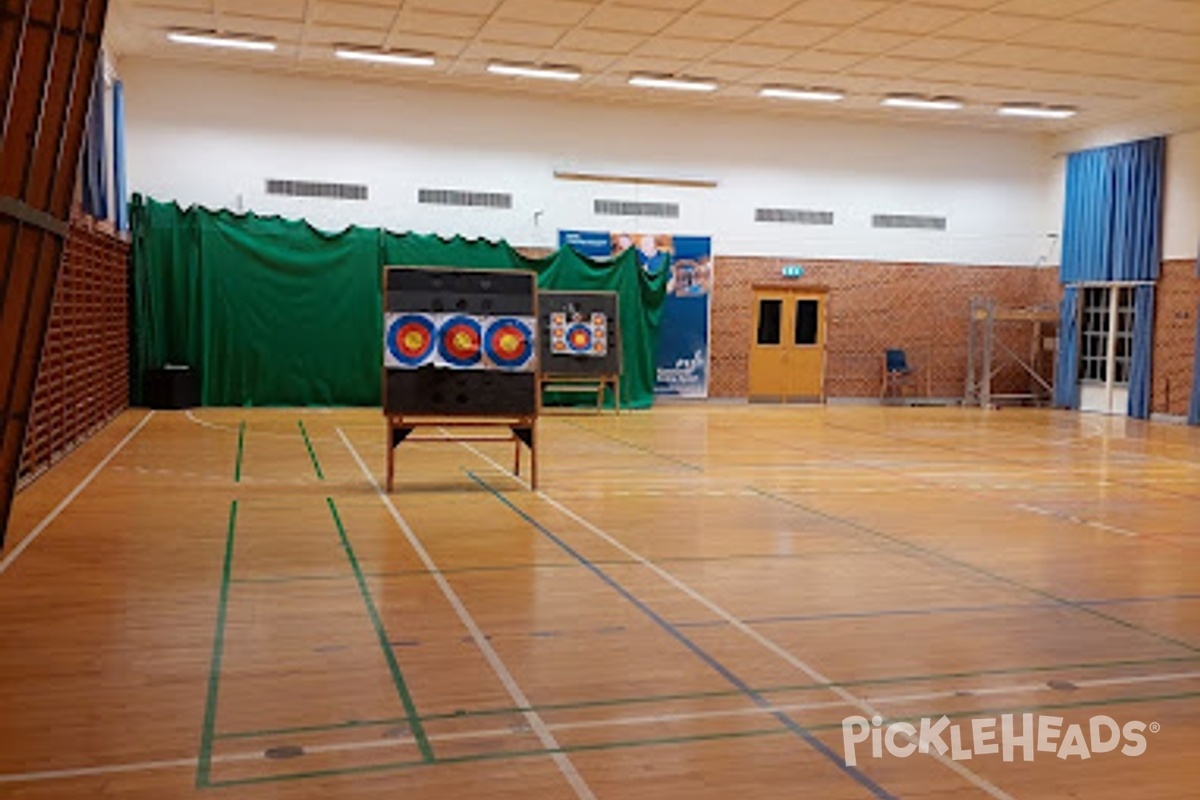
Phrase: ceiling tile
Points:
(450, 25)
(753, 55)
(498, 30)
(354, 15)
(938, 48)
(546, 12)
(820, 61)
(600, 41)
(620, 18)
(990, 27)
(858, 40)
(709, 26)
(914, 19)
(835, 12)
(791, 34)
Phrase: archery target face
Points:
(408, 340)
(459, 342)
(509, 343)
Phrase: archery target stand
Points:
(460, 353)
(580, 343)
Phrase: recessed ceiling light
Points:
(385, 57)
(923, 103)
(221, 40)
(1036, 111)
(533, 71)
(812, 95)
(672, 84)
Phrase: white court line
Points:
(582, 790)
(868, 711)
(66, 501)
(631, 721)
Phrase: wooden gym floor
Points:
(224, 604)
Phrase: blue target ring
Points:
(460, 341)
(508, 343)
(410, 339)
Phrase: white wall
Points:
(1181, 211)
(200, 135)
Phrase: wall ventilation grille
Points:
(325, 191)
(458, 197)
(914, 221)
(793, 216)
(631, 208)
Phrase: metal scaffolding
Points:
(984, 346)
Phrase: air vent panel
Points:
(909, 221)
(793, 216)
(464, 199)
(633, 208)
(318, 189)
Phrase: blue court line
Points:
(933, 612)
(863, 780)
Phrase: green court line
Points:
(506, 755)
(204, 761)
(715, 694)
(410, 708)
(237, 465)
(987, 573)
(619, 562)
(312, 454)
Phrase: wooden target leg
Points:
(533, 470)
(516, 456)
(391, 457)
(617, 394)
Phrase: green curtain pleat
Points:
(275, 312)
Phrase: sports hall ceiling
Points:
(1116, 61)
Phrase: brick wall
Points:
(83, 375)
(1174, 337)
(922, 308)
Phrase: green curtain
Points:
(275, 312)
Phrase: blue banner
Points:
(683, 337)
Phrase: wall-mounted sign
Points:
(793, 271)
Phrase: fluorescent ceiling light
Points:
(218, 40)
(529, 71)
(674, 84)
(813, 95)
(923, 103)
(383, 57)
(1040, 112)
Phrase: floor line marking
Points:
(954, 766)
(389, 653)
(208, 728)
(259, 754)
(66, 501)
(561, 760)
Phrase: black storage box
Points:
(171, 386)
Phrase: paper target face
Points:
(509, 343)
(579, 339)
(408, 340)
(459, 344)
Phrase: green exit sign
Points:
(793, 271)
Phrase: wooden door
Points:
(787, 345)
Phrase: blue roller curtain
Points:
(1066, 379)
(94, 158)
(1194, 408)
(1112, 231)
(1143, 352)
(120, 193)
